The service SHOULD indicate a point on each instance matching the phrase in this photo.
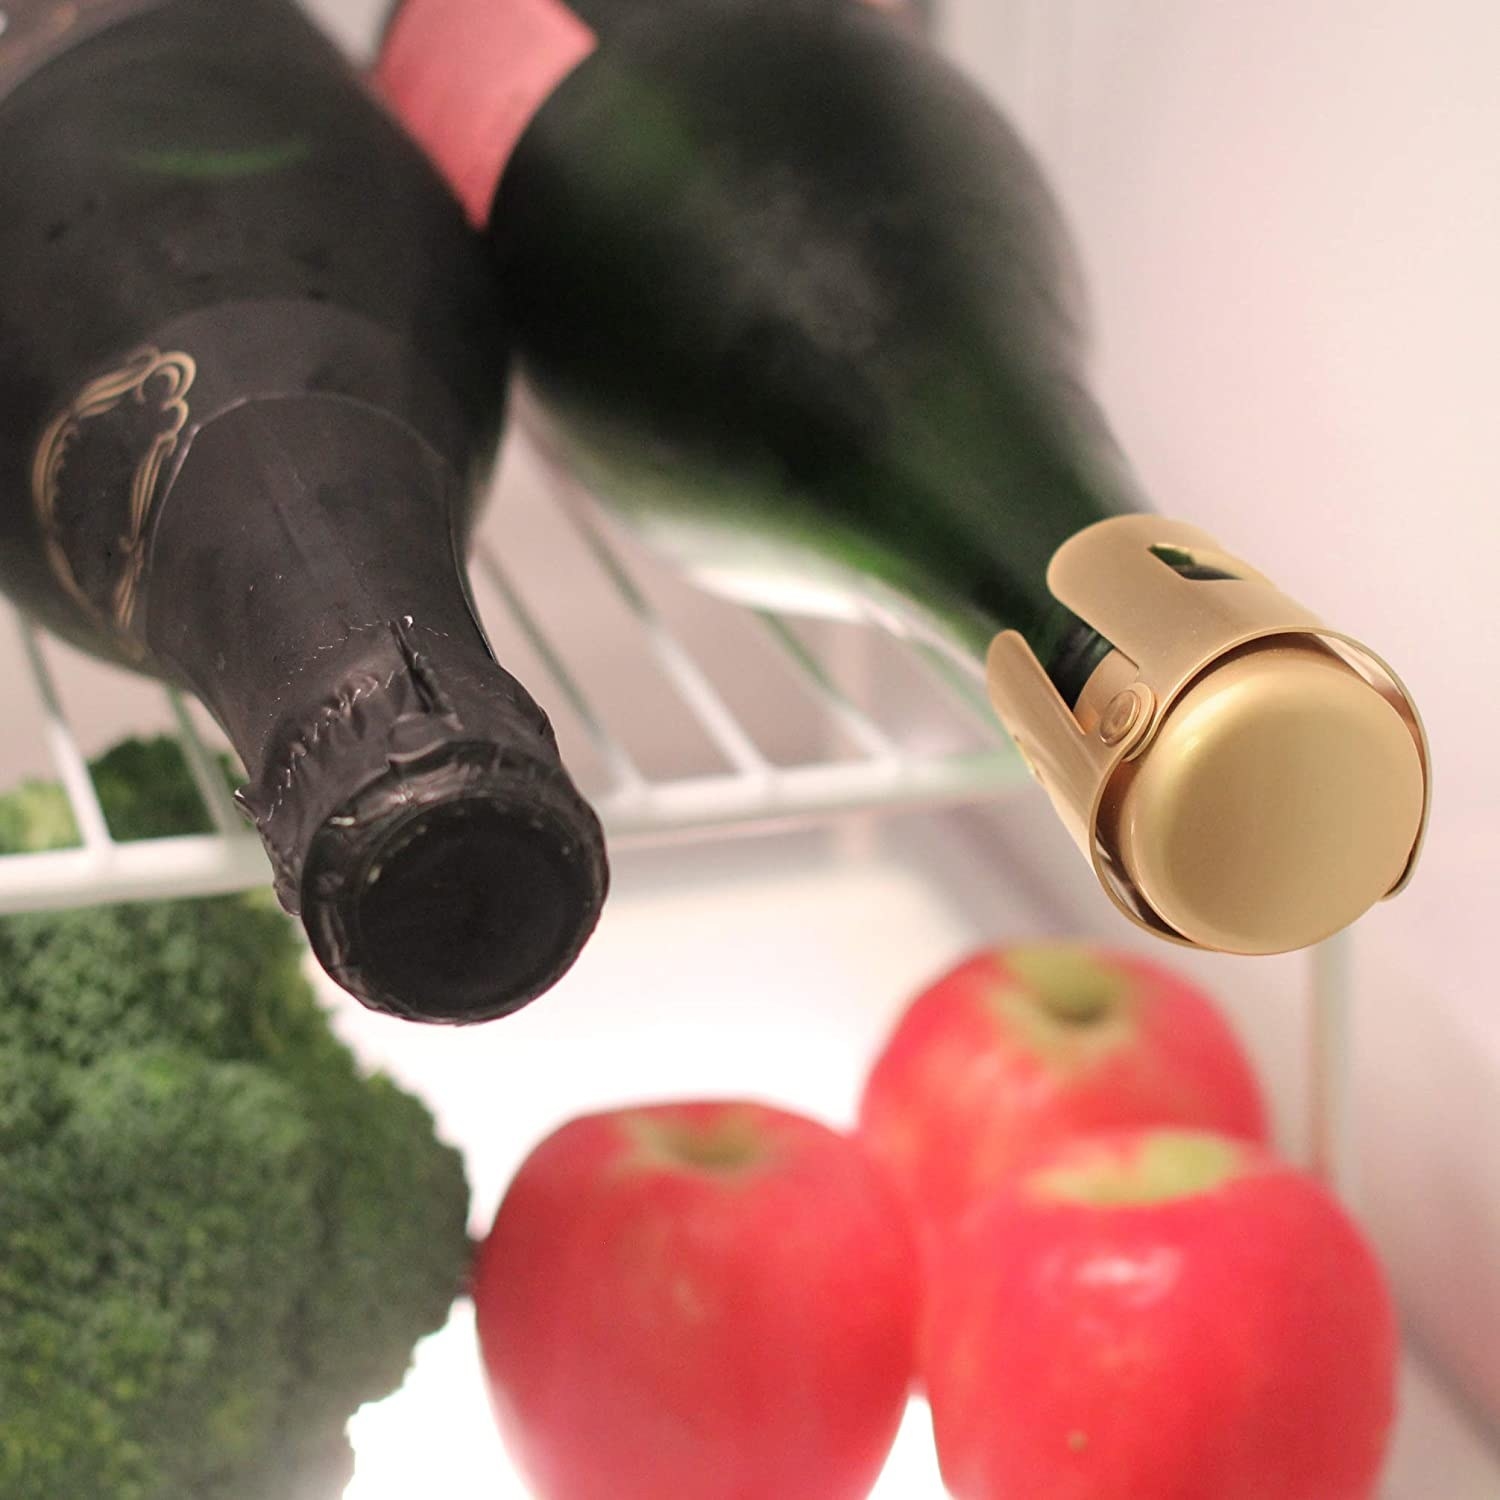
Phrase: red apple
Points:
(1160, 1315)
(698, 1302)
(1018, 1049)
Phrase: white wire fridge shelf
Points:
(835, 754)
(683, 717)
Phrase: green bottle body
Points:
(790, 293)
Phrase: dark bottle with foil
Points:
(251, 373)
(792, 296)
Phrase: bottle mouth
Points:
(457, 904)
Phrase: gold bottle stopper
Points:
(1240, 777)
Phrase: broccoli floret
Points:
(217, 1239)
(136, 1302)
(145, 789)
(148, 792)
(36, 816)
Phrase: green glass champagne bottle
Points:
(251, 365)
(791, 295)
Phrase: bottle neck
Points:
(991, 500)
(1072, 653)
(305, 581)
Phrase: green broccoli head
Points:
(145, 789)
(217, 1239)
(157, 1231)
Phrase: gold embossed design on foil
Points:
(150, 379)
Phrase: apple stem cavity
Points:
(1070, 985)
(1159, 1167)
(722, 1143)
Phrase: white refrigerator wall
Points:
(1289, 218)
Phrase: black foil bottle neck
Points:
(306, 583)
